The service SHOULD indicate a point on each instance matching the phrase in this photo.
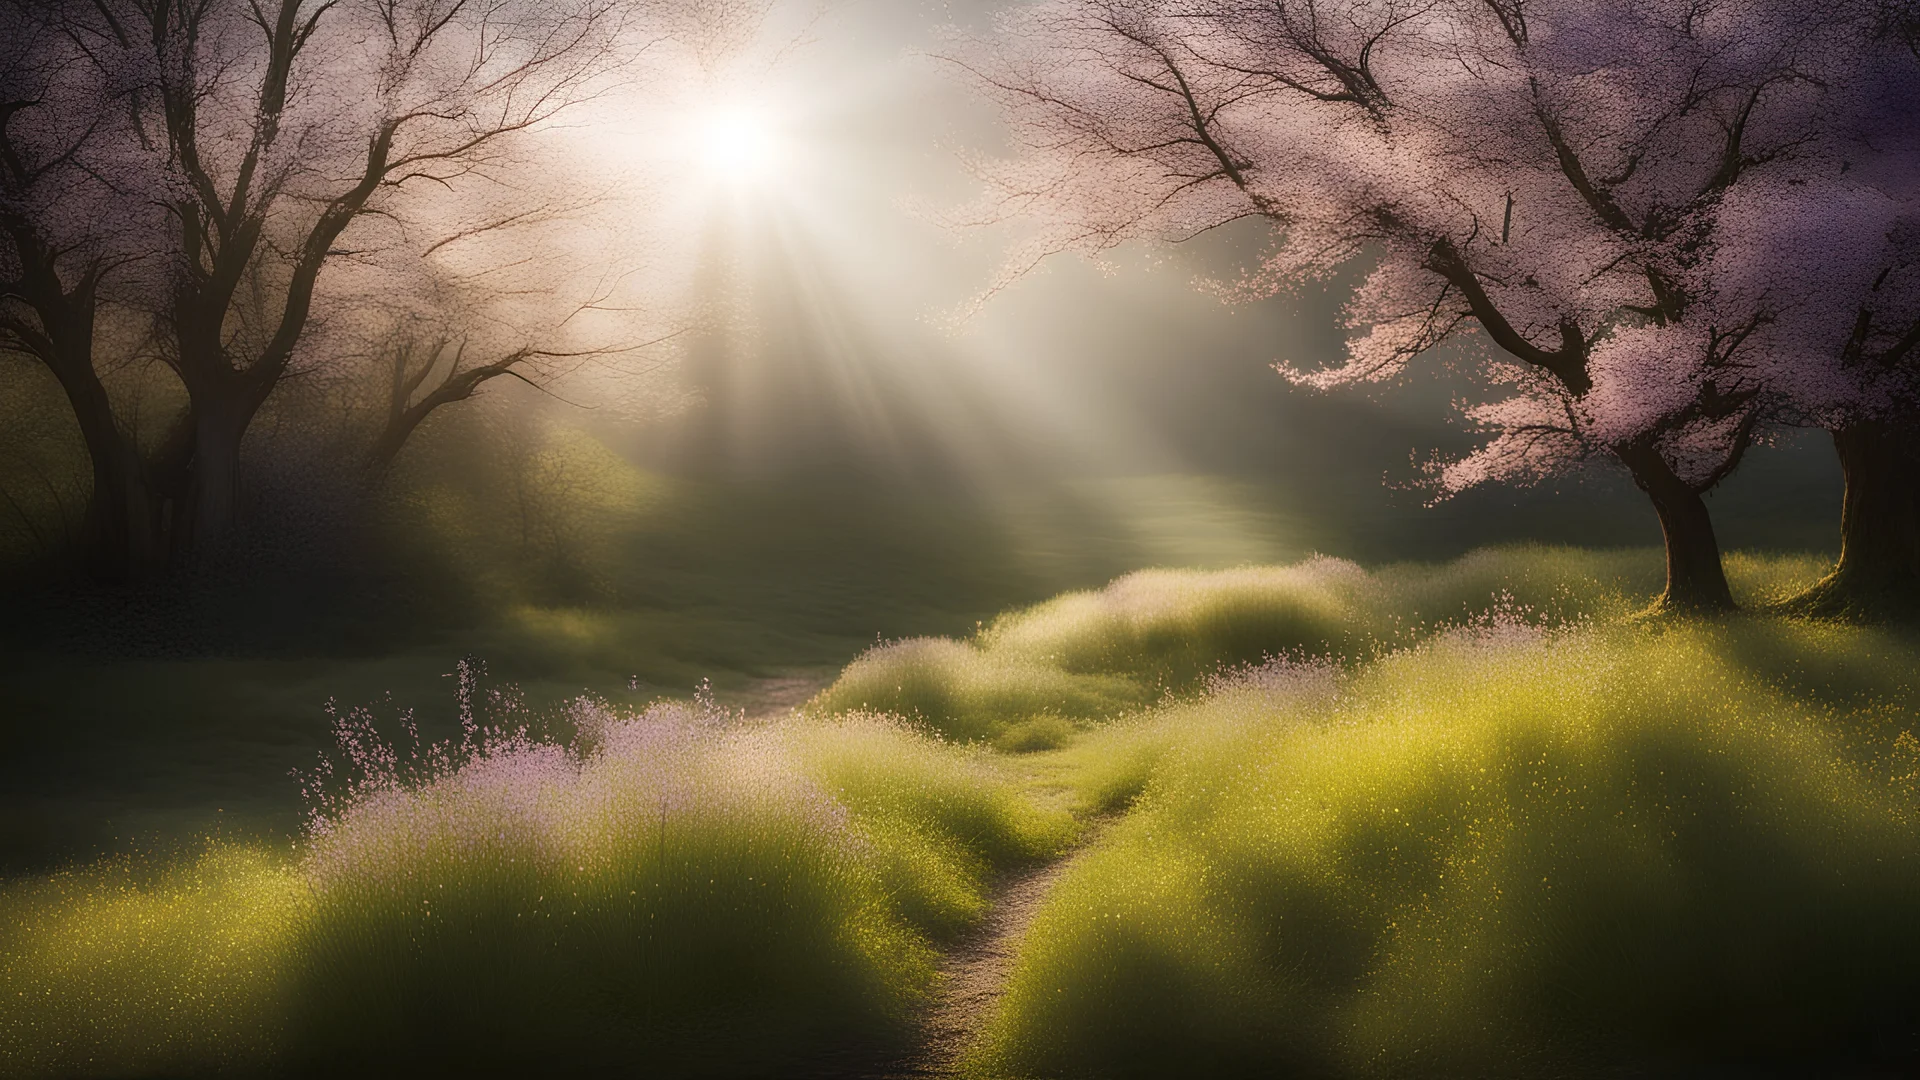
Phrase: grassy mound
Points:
(1025, 680)
(674, 889)
(968, 693)
(1421, 821)
(132, 969)
(1503, 852)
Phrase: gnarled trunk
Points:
(120, 538)
(122, 532)
(1878, 575)
(1696, 581)
(118, 534)
(220, 421)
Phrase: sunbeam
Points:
(1105, 538)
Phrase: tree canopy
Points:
(1604, 205)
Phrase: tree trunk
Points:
(1696, 582)
(117, 535)
(120, 535)
(220, 420)
(1878, 575)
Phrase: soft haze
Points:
(854, 325)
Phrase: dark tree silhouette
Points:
(198, 167)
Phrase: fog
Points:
(782, 412)
(871, 341)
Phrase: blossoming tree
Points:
(200, 170)
(65, 232)
(1542, 180)
(1834, 257)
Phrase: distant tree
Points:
(1546, 174)
(429, 372)
(206, 166)
(66, 226)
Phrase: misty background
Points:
(1076, 378)
(845, 448)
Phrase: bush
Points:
(1506, 852)
(964, 692)
(940, 820)
(1171, 628)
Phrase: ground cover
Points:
(134, 720)
(649, 892)
(1457, 820)
(1622, 849)
(1031, 676)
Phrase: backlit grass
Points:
(130, 969)
(675, 887)
(1504, 852)
(968, 692)
(1099, 653)
(1463, 820)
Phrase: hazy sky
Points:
(847, 287)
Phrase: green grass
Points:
(1761, 580)
(1498, 853)
(149, 718)
(1095, 654)
(141, 969)
(1462, 820)
(965, 692)
(676, 888)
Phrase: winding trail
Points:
(774, 696)
(974, 971)
(973, 975)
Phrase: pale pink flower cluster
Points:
(1287, 679)
(504, 797)
(1506, 624)
(1671, 223)
(456, 90)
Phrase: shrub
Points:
(968, 693)
(948, 817)
(686, 883)
(1093, 655)
(1171, 628)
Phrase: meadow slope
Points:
(1472, 819)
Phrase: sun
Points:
(738, 143)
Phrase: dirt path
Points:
(774, 696)
(974, 971)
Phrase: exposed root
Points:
(1854, 598)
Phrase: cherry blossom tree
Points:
(221, 173)
(1834, 256)
(1539, 181)
(436, 358)
(310, 134)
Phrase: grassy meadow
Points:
(1471, 819)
